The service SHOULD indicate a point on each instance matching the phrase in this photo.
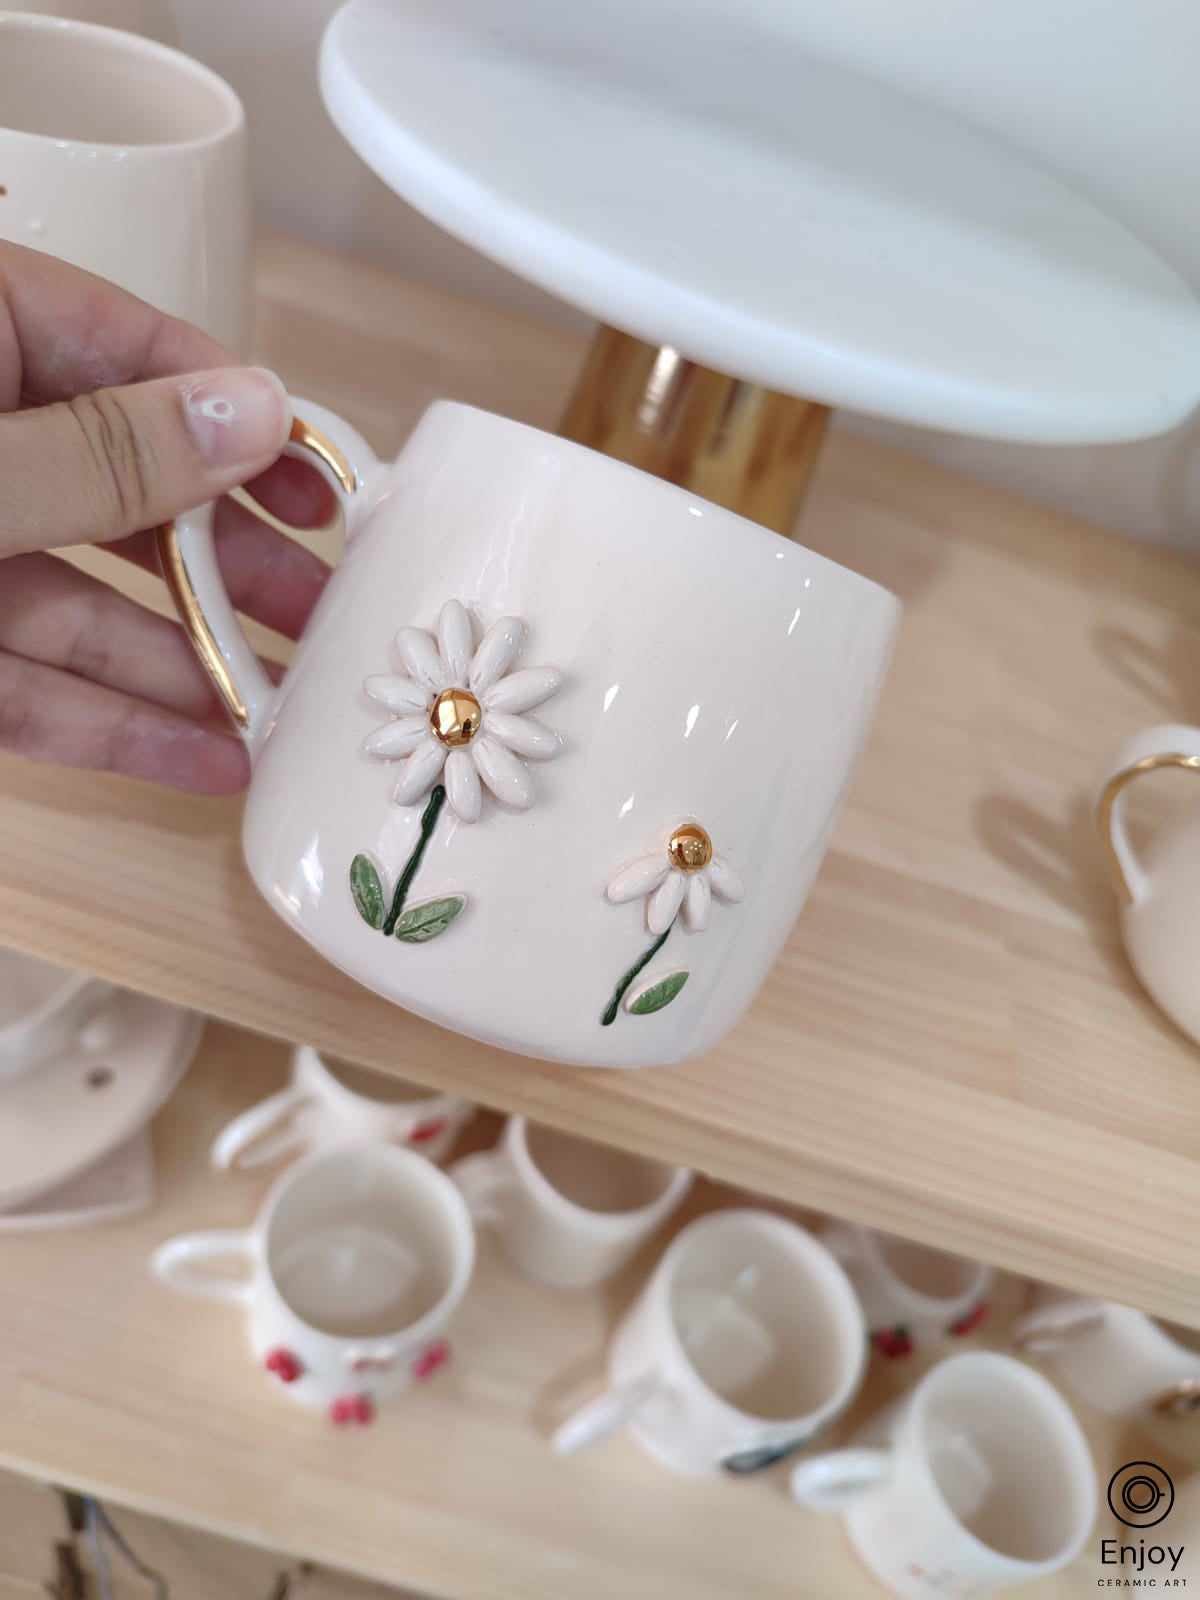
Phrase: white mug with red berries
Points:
(353, 1268)
(562, 747)
(911, 1294)
(977, 1480)
(328, 1102)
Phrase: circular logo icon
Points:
(1140, 1494)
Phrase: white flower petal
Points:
(641, 877)
(524, 735)
(399, 738)
(397, 694)
(725, 881)
(462, 786)
(697, 902)
(456, 641)
(420, 772)
(420, 655)
(497, 652)
(663, 905)
(523, 690)
(503, 773)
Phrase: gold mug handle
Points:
(1168, 745)
(189, 565)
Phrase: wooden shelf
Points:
(952, 1044)
(115, 1385)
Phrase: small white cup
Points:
(44, 1010)
(745, 1343)
(978, 1479)
(910, 1293)
(357, 1260)
(568, 1212)
(327, 1103)
(1121, 1361)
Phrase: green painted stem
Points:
(614, 1005)
(428, 822)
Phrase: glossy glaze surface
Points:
(709, 669)
(701, 184)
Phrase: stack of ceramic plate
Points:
(83, 1068)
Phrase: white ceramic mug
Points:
(702, 691)
(979, 1479)
(352, 1270)
(744, 1344)
(44, 1011)
(910, 1293)
(569, 1212)
(1122, 1361)
(127, 158)
(326, 1103)
(1160, 891)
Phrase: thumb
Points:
(115, 461)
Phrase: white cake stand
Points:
(684, 175)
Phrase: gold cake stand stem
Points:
(742, 446)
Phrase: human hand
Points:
(114, 418)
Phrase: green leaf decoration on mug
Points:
(656, 995)
(421, 923)
(367, 891)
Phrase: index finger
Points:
(65, 332)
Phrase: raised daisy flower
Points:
(458, 714)
(685, 874)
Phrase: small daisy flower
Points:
(685, 875)
(458, 714)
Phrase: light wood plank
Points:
(952, 1043)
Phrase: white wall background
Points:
(1102, 92)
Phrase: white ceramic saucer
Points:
(683, 172)
(120, 1184)
(61, 1120)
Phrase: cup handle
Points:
(173, 1262)
(189, 564)
(1050, 1328)
(246, 1142)
(841, 1241)
(608, 1413)
(1171, 744)
(483, 1181)
(835, 1481)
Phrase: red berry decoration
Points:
(971, 1321)
(286, 1367)
(893, 1343)
(364, 1409)
(425, 1131)
(432, 1359)
(349, 1408)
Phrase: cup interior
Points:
(31, 989)
(1007, 1459)
(928, 1272)
(371, 1085)
(101, 86)
(764, 1317)
(593, 1176)
(363, 1243)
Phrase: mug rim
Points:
(135, 45)
(516, 1142)
(307, 1058)
(872, 1240)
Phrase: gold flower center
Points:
(454, 717)
(689, 848)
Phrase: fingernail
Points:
(238, 417)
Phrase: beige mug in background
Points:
(128, 159)
(1159, 890)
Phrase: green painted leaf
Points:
(657, 996)
(419, 924)
(367, 891)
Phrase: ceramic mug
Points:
(606, 882)
(326, 1103)
(979, 1479)
(127, 158)
(1122, 1361)
(355, 1264)
(910, 1293)
(744, 1344)
(568, 1212)
(1160, 892)
(45, 1010)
